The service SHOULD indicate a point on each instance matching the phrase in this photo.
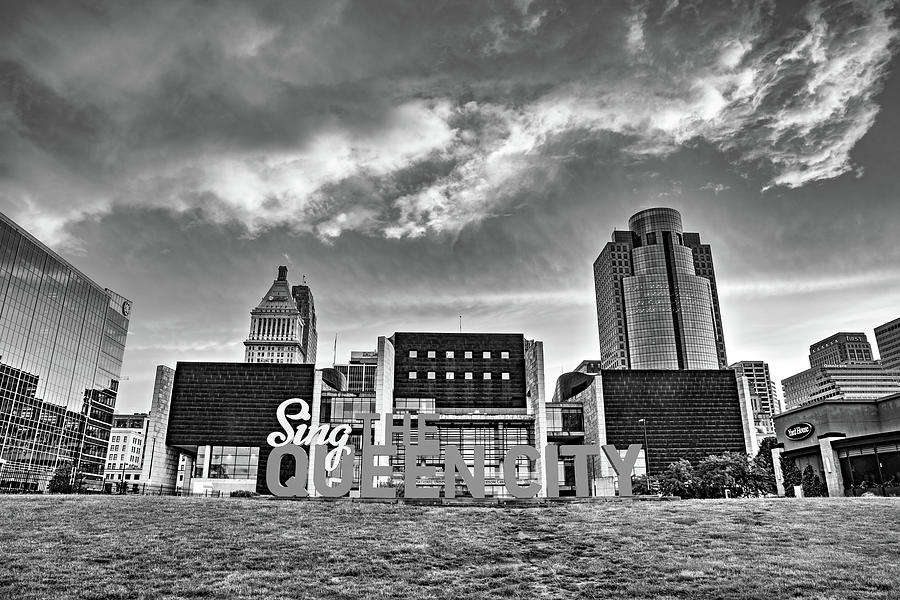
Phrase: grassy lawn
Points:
(152, 547)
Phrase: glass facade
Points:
(668, 307)
(62, 338)
(227, 462)
(656, 297)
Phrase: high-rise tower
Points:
(763, 393)
(840, 348)
(657, 304)
(310, 339)
(281, 326)
(888, 338)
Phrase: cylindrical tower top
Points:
(655, 220)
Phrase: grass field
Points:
(152, 547)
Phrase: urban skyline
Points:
(486, 192)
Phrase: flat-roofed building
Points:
(887, 337)
(848, 381)
(125, 460)
(62, 337)
(840, 348)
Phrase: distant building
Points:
(360, 371)
(887, 337)
(124, 462)
(763, 393)
(848, 381)
(282, 326)
(307, 307)
(486, 388)
(657, 304)
(160, 461)
(840, 348)
(62, 337)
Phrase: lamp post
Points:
(643, 423)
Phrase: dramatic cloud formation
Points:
(405, 118)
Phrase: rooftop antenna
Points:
(304, 279)
(334, 357)
(460, 323)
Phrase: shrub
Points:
(727, 471)
(243, 494)
(763, 469)
(61, 482)
(640, 486)
(791, 475)
(678, 480)
(812, 484)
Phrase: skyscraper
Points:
(763, 393)
(887, 337)
(657, 304)
(840, 348)
(309, 340)
(282, 326)
(62, 338)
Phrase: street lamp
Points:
(643, 422)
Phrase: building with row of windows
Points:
(681, 413)
(283, 325)
(887, 337)
(841, 368)
(62, 338)
(657, 303)
(764, 400)
(125, 458)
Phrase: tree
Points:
(812, 484)
(727, 471)
(807, 482)
(78, 483)
(62, 480)
(678, 480)
(791, 475)
(763, 468)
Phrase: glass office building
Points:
(62, 338)
(657, 304)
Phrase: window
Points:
(504, 355)
(413, 354)
(230, 462)
(412, 374)
(468, 375)
(431, 375)
(451, 375)
(486, 354)
(468, 354)
(504, 375)
(449, 354)
(431, 354)
(487, 375)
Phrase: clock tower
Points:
(277, 327)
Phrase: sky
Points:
(418, 161)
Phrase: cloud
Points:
(794, 286)
(716, 188)
(411, 119)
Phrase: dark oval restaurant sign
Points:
(800, 431)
